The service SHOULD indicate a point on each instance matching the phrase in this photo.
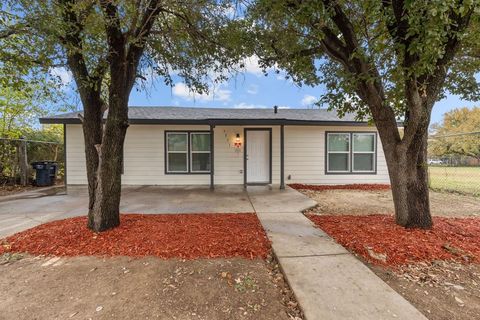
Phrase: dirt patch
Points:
(186, 236)
(143, 288)
(365, 187)
(442, 290)
(8, 190)
(358, 202)
(380, 241)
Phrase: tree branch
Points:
(344, 25)
(13, 30)
(73, 44)
(115, 37)
(434, 82)
(459, 24)
(141, 34)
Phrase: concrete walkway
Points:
(328, 281)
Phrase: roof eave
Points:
(218, 122)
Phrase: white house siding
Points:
(305, 157)
(144, 160)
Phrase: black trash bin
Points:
(45, 172)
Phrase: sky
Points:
(251, 89)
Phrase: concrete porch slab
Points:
(23, 213)
(272, 199)
(191, 199)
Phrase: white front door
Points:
(257, 156)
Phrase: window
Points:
(187, 152)
(338, 152)
(177, 152)
(200, 152)
(351, 152)
(363, 152)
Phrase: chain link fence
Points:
(16, 156)
(454, 163)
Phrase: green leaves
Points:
(457, 134)
(200, 41)
(396, 46)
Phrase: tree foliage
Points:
(306, 39)
(112, 46)
(383, 60)
(187, 38)
(457, 134)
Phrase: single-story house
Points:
(213, 146)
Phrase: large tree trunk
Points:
(105, 190)
(105, 193)
(92, 134)
(104, 141)
(409, 180)
(105, 213)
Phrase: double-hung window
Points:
(200, 152)
(187, 152)
(177, 152)
(363, 152)
(351, 152)
(338, 156)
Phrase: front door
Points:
(258, 156)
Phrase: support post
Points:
(22, 157)
(65, 156)
(282, 157)
(212, 157)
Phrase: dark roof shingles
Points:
(198, 114)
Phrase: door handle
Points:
(246, 157)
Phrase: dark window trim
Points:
(245, 130)
(165, 151)
(351, 172)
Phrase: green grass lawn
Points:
(455, 179)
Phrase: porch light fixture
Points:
(238, 142)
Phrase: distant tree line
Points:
(457, 137)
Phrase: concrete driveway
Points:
(34, 208)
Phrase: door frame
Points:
(245, 135)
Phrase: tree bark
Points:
(105, 212)
(409, 181)
(103, 149)
(92, 134)
(104, 140)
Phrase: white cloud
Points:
(215, 94)
(251, 65)
(243, 105)
(308, 100)
(252, 89)
(63, 74)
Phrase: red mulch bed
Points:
(185, 236)
(450, 238)
(365, 187)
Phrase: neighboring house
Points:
(206, 146)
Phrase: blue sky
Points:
(250, 89)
